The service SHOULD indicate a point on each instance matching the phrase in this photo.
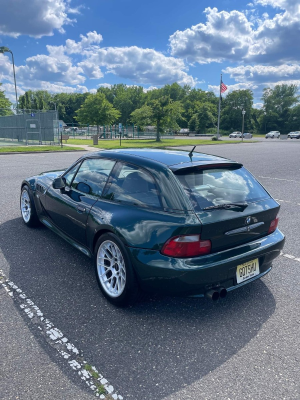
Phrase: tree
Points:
(96, 110)
(142, 116)
(68, 104)
(5, 104)
(203, 118)
(277, 104)
(234, 103)
(35, 100)
(124, 98)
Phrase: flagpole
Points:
(219, 111)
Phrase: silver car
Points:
(235, 135)
(273, 134)
(294, 135)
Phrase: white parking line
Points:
(56, 339)
(290, 256)
(278, 179)
(287, 201)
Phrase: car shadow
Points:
(148, 351)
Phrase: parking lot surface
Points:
(244, 347)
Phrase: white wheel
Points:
(25, 206)
(111, 268)
(28, 211)
(114, 271)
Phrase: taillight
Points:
(186, 246)
(273, 225)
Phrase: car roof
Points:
(170, 158)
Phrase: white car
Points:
(235, 135)
(273, 134)
(294, 135)
(247, 135)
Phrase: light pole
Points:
(3, 50)
(243, 112)
(56, 113)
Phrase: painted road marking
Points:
(287, 201)
(57, 340)
(290, 256)
(278, 179)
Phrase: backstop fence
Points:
(29, 127)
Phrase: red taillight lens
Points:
(186, 246)
(273, 225)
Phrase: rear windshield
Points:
(211, 187)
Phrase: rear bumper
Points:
(195, 276)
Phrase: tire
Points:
(27, 207)
(117, 282)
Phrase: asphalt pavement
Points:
(244, 347)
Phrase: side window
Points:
(70, 174)
(135, 186)
(92, 176)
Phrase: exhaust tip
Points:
(212, 295)
(222, 292)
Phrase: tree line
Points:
(170, 108)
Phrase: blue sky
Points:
(74, 46)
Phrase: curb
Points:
(39, 152)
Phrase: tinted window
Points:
(94, 173)
(70, 174)
(133, 185)
(212, 187)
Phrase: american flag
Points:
(223, 87)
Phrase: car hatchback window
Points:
(212, 187)
(133, 185)
(94, 173)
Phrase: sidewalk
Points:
(83, 146)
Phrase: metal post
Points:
(13, 62)
(219, 111)
(243, 113)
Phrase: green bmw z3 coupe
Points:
(163, 221)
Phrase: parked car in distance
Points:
(294, 135)
(235, 135)
(183, 131)
(247, 135)
(273, 134)
(164, 221)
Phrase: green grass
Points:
(13, 149)
(89, 368)
(132, 143)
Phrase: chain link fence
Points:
(77, 131)
(26, 127)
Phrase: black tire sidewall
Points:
(131, 285)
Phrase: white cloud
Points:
(231, 88)
(92, 38)
(232, 36)
(264, 73)
(34, 18)
(290, 5)
(145, 90)
(226, 35)
(105, 85)
(258, 106)
(52, 69)
(10, 93)
(142, 66)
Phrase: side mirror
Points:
(59, 183)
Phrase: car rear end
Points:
(234, 242)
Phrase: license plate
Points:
(247, 270)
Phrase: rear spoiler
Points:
(196, 166)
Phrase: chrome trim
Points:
(244, 228)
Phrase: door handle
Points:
(81, 209)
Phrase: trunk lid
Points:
(230, 203)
